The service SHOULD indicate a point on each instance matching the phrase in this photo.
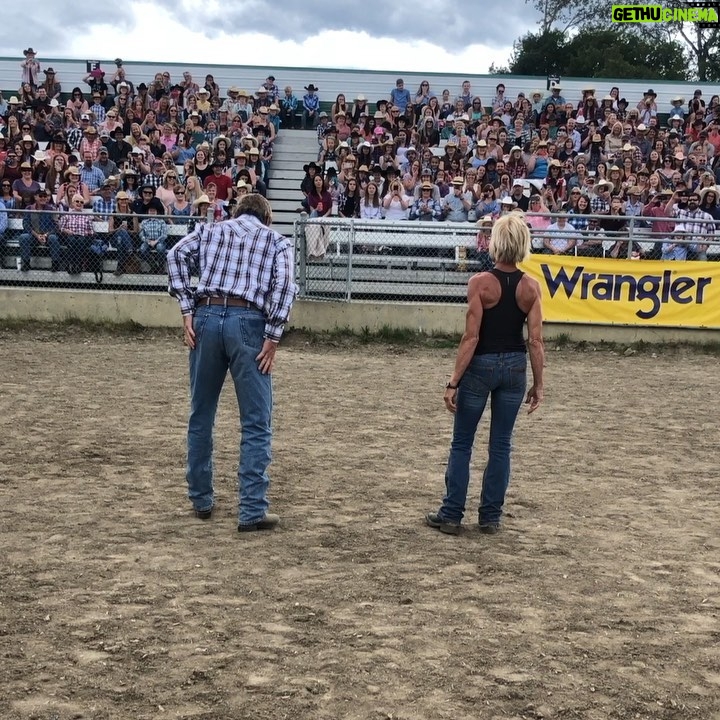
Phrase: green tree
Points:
(540, 54)
(611, 53)
(701, 45)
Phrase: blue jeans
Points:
(502, 376)
(28, 241)
(229, 339)
(145, 253)
(122, 241)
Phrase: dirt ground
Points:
(600, 599)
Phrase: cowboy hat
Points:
(361, 98)
(309, 88)
(311, 165)
(29, 51)
(202, 200)
(650, 91)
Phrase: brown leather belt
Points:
(225, 302)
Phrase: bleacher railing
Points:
(336, 258)
(123, 254)
(345, 259)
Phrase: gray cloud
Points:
(452, 25)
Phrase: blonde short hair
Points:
(510, 239)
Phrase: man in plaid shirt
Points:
(153, 236)
(155, 178)
(76, 225)
(698, 224)
(311, 104)
(233, 320)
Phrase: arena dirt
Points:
(600, 599)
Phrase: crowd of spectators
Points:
(419, 156)
(119, 152)
(178, 149)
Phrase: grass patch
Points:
(386, 335)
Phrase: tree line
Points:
(578, 38)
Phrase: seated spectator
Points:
(592, 240)
(425, 208)
(25, 188)
(71, 187)
(697, 222)
(166, 192)
(488, 204)
(288, 109)
(455, 205)
(77, 229)
(180, 205)
(560, 237)
(349, 201)
(39, 230)
(578, 205)
(153, 236)
(677, 247)
(319, 199)
(396, 202)
(311, 105)
(122, 230)
(370, 207)
(217, 207)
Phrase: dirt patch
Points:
(599, 600)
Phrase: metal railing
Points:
(342, 259)
(336, 258)
(48, 249)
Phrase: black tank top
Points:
(501, 328)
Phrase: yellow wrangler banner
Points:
(628, 292)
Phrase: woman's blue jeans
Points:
(502, 377)
(229, 338)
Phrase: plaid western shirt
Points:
(239, 258)
(76, 223)
(92, 176)
(153, 228)
(151, 179)
(699, 231)
(99, 112)
(104, 208)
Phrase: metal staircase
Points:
(292, 150)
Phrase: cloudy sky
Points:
(422, 35)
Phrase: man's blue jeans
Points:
(26, 241)
(230, 339)
(502, 376)
(158, 259)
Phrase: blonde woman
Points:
(166, 192)
(194, 188)
(491, 364)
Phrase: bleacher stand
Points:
(413, 154)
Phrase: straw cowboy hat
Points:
(202, 200)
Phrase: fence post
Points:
(351, 244)
(631, 236)
(300, 249)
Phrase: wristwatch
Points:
(450, 386)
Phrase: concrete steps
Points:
(292, 150)
(279, 182)
(284, 194)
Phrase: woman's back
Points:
(506, 301)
